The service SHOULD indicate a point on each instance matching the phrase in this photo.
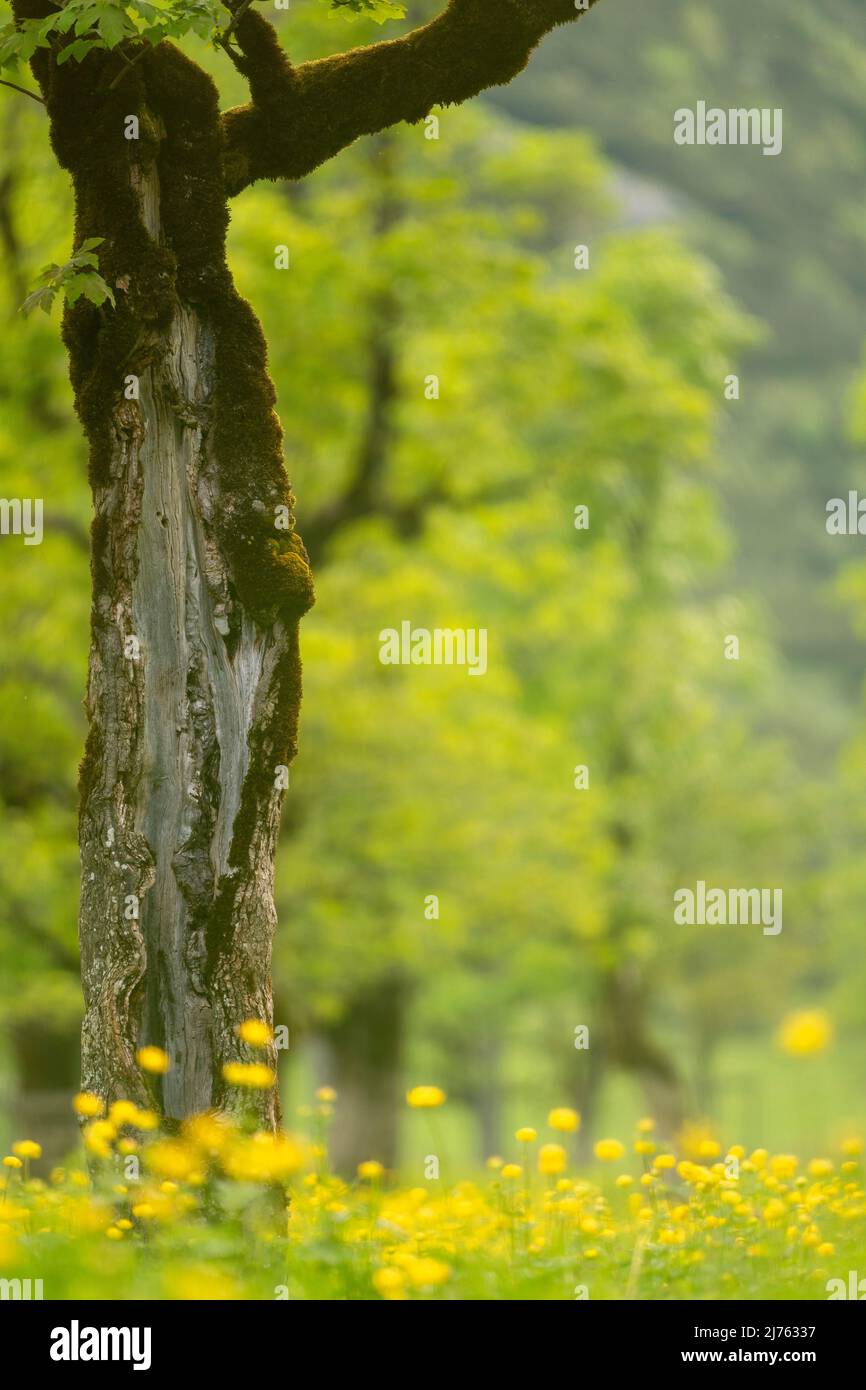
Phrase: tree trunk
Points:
(488, 1096)
(198, 585)
(46, 1074)
(589, 1086)
(364, 1053)
(636, 1051)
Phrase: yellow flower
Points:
(624, 1180)
(526, 1135)
(552, 1159)
(113, 1233)
(263, 1157)
(98, 1136)
(563, 1119)
(665, 1161)
(208, 1132)
(511, 1170)
(825, 1248)
(644, 1146)
(370, 1170)
(153, 1059)
(852, 1147)
(256, 1033)
(425, 1097)
(389, 1281)
(27, 1148)
(87, 1105)
(806, 1032)
(123, 1112)
(820, 1168)
(170, 1159)
(10, 1162)
(775, 1209)
(427, 1273)
(494, 1162)
(326, 1094)
(255, 1076)
(646, 1125)
(609, 1149)
(709, 1148)
(783, 1165)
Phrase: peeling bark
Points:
(194, 682)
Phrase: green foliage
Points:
(83, 26)
(380, 11)
(77, 277)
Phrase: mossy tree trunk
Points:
(198, 585)
(199, 580)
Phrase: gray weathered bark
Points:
(194, 685)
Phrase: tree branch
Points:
(25, 91)
(299, 117)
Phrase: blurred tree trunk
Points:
(637, 1052)
(46, 1077)
(488, 1094)
(592, 1066)
(706, 1042)
(364, 1056)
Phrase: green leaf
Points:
(113, 26)
(39, 299)
(78, 277)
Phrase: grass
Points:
(221, 1212)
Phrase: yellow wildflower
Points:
(153, 1059)
(255, 1033)
(425, 1097)
(253, 1076)
(806, 1032)
(87, 1105)
(552, 1159)
(370, 1170)
(565, 1120)
(609, 1150)
(27, 1148)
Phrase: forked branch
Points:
(300, 117)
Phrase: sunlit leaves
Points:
(83, 26)
(380, 11)
(77, 277)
